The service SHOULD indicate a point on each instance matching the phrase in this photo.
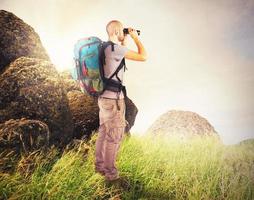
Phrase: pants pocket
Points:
(115, 135)
(107, 109)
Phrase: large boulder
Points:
(185, 124)
(68, 82)
(18, 39)
(85, 113)
(20, 136)
(31, 88)
(23, 135)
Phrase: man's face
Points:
(121, 34)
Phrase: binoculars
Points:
(126, 31)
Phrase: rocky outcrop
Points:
(18, 39)
(185, 124)
(31, 88)
(69, 83)
(23, 135)
(32, 91)
(85, 113)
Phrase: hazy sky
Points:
(200, 53)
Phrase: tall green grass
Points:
(156, 169)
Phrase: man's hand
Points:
(133, 33)
(133, 55)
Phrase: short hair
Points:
(112, 26)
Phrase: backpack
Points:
(89, 57)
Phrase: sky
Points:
(200, 53)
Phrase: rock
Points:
(69, 83)
(23, 135)
(185, 124)
(85, 113)
(8, 160)
(18, 39)
(31, 88)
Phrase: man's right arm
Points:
(133, 55)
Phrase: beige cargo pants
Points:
(111, 133)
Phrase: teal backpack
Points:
(89, 57)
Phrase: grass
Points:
(156, 168)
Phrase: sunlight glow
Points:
(194, 60)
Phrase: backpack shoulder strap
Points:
(103, 46)
(103, 61)
(121, 65)
(102, 57)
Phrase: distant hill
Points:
(247, 142)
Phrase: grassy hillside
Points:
(156, 169)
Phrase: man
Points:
(111, 104)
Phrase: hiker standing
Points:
(111, 101)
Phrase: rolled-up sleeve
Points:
(120, 51)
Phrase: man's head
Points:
(115, 29)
